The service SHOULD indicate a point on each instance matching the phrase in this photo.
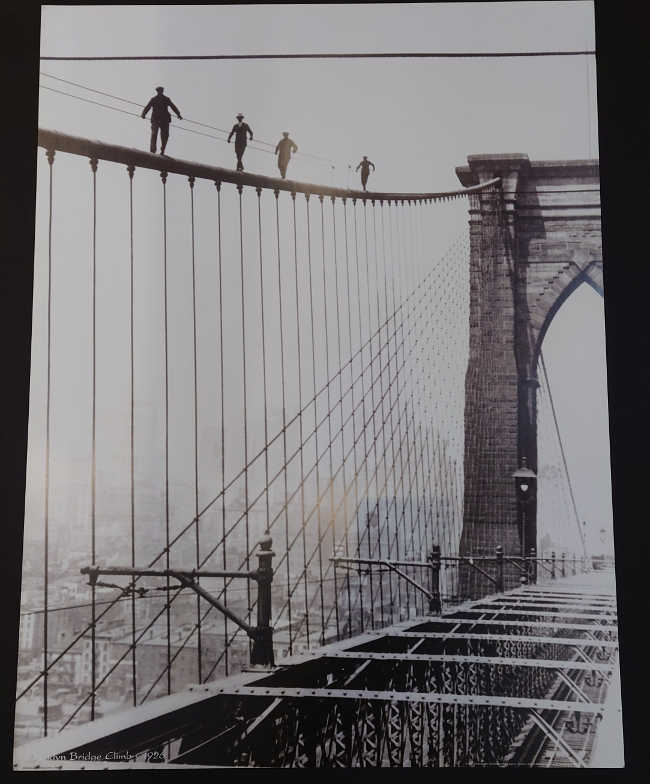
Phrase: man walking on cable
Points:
(365, 170)
(283, 150)
(240, 129)
(160, 118)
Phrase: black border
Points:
(621, 43)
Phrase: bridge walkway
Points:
(512, 679)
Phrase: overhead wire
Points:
(324, 56)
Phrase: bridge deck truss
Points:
(398, 697)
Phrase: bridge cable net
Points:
(214, 360)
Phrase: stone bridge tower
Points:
(531, 245)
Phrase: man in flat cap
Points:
(160, 118)
(239, 130)
(283, 150)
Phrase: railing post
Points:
(532, 566)
(574, 565)
(499, 560)
(435, 605)
(563, 564)
(552, 564)
(262, 650)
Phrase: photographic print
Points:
(318, 467)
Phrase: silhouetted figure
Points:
(365, 170)
(240, 129)
(160, 118)
(283, 150)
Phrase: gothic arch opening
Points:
(573, 391)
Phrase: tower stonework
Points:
(533, 241)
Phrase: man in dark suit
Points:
(239, 130)
(160, 118)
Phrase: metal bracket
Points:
(261, 634)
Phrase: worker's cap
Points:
(285, 133)
(159, 89)
(240, 116)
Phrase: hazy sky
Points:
(415, 119)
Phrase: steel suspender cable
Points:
(196, 430)
(48, 404)
(332, 516)
(300, 424)
(93, 480)
(340, 405)
(245, 395)
(367, 291)
(363, 404)
(284, 423)
(347, 290)
(223, 425)
(381, 392)
(390, 493)
(564, 463)
(131, 171)
(394, 310)
(163, 177)
(264, 380)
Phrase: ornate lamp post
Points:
(525, 479)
